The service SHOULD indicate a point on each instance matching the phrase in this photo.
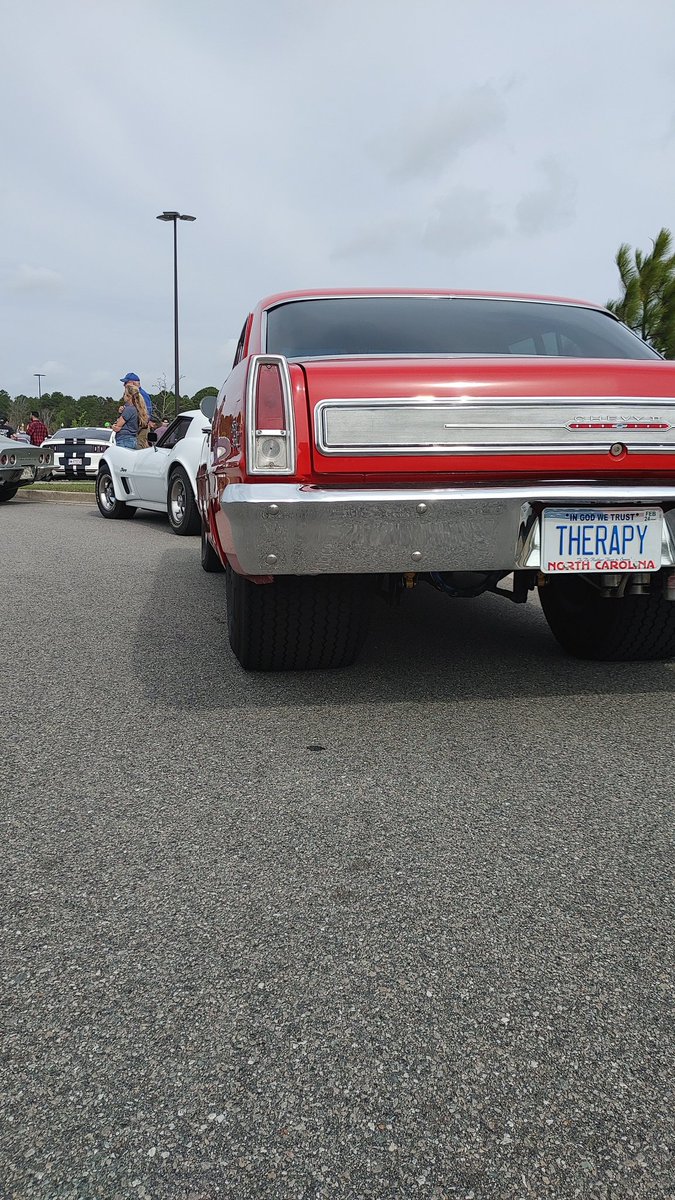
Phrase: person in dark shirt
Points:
(36, 429)
(5, 428)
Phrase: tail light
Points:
(269, 416)
(12, 460)
(3, 460)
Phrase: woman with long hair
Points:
(132, 419)
(143, 416)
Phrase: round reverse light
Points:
(12, 459)
(271, 447)
(617, 449)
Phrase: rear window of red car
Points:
(440, 325)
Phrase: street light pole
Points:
(175, 217)
(39, 376)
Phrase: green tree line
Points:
(59, 410)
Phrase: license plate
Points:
(28, 473)
(601, 539)
(76, 462)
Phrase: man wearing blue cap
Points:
(132, 377)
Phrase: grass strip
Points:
(65, 485)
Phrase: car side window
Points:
(175, 433)
(239, 352)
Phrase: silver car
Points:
(21, 464)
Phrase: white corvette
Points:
(161, 478)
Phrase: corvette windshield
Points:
(440, 325)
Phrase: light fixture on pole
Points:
(39, 376)
(175, 217)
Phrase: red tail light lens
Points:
(269, 398)
(270, 424)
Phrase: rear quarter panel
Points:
(114, 458)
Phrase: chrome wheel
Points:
(180, 504)
(106, 493)
(177, 500)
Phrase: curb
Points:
(64, 497)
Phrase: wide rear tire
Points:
(7, 492)
(297, 623)
(624, 629)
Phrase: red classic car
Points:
(373, 439)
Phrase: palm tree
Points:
(648, 302)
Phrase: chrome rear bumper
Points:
(292, 529)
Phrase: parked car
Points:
(160, 478)
(77, 452)
(20, 465)
(383, 437)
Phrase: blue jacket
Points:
(148, 401)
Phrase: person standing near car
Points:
(6, 429)
(36, 429)
(132, 377)
(133, 414)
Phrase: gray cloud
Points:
(382, 237)
(463, 220)
(425, 147)
(551, 207)
(460, 221)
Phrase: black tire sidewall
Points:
(113, 513)
(297, 623)
(210, 560)
(191, 520)
(622, 629)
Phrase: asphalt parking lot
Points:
(399, 931)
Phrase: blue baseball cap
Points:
(130, 377)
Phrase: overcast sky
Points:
(490, 144)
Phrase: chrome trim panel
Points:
(295, 529)
(470, 425)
